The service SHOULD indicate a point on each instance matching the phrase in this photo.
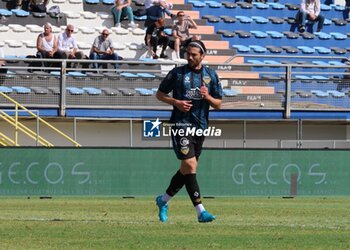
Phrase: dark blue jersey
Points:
(185, 85)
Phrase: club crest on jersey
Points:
(206, 80)
(193, 94)
(187, 79)
(185, 150)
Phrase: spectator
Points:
(38, 5)
(181, 32)
(155, 9)
(123, 8)
(309, 10)
(155, 36)
(46, 44)
(3, 70)
(102, 49)
(67, 47)
(347, 9)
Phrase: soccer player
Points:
(195, 88)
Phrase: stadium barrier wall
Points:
(147, 172)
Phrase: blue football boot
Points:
(163, 209)
(205, 217)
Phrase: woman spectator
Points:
(46, 44)
(123, 8)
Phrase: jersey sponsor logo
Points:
(193, 94)
(184, 141)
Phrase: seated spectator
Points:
(123, 8)
(155, 9)
(347, 9)
(3, 70)
(38, 5)
(67, 47)
(181, 32)
(102, 49)
(46, 44)
(309, 10)
(155, 36)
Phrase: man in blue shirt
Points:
(195, 88)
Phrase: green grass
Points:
(116, 223)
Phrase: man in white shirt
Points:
(3, 70)
(309, 10)
(67, 47)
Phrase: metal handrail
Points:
(18, 125)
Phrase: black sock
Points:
(193, 189)
(176, 183)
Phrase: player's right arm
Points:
(167, 85)
(182, 105)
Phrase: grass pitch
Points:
(116, 223)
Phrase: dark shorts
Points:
(186, 147)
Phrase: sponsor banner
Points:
(135, 171)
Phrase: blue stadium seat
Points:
(241, 48)
(140, 18)
(76, 74)
(56, 73)
(260, 19)
(320, 79)
(319, 62)
(5, 13)
(336, 63)
(303, 78)
(261, 6)
(254, 61)
(93, 91)
(306, 49)
(129, 75)
(259, 34)
(21, 90)
(213, 4)
(258, 48)
(325, 7)
(319, 93)
(275, 34)
(196, 3)
(229, 92)
(20, 13)
(5, 90)
(244, 19)
(75, 90)
(338, 36)
(322, 50)
(144, 92)
(108, 2)
(276, 6)
(92, 1)
(323, 35)
(336, 94)
(146, 75)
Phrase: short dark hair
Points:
(198, 44)
(180, 12)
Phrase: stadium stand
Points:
(250, 45)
